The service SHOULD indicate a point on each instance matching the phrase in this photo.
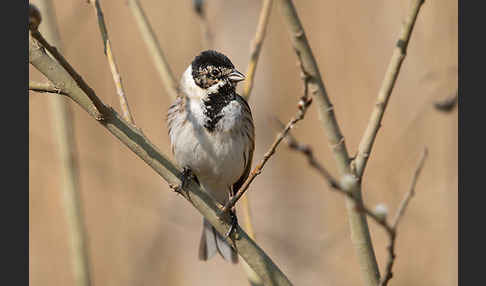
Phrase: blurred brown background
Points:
(141, 233)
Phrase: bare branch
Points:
(360, 234)
(391, 75)
(304, 103)
(111, 61)
(411, 192)
(137, 142)
(401, 211)
(154, 48)
(257, 46)
(71, 82)
(316, 85)
(306, 150)
(252, 276)
(44, 87)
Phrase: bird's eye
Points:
(215, 73)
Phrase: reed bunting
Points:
(212, 137)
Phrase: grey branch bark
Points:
(44, 87)
(131, 137)
(360, 235)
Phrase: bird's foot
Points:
(234, 223)
(187, 176)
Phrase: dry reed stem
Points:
(112, 62)
(66, 149)
(256, 47)
(250, 78)
(154, 48)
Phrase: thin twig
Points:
(304, 103)
(154, 48)
(391, 75)
(256, 47)
(137, 142)
(400, 212)
(306, 150)
(111, 61)
(44, 87)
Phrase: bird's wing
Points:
(248, 155)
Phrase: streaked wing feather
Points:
(251, 134)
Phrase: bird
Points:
(212, 137)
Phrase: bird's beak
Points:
(236, 76)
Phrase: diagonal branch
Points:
(257, 46)
(111, 61)
(304, 103)
(136, 141)
(70, 82)
(386, 89)
(154, 48)
(306, 150)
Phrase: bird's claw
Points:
(234, 223)
(187, 176)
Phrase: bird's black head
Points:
(210, 68)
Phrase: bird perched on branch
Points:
(212, 137)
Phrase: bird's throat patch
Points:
(215, 103)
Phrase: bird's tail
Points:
(212, 241)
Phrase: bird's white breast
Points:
(216, 158)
